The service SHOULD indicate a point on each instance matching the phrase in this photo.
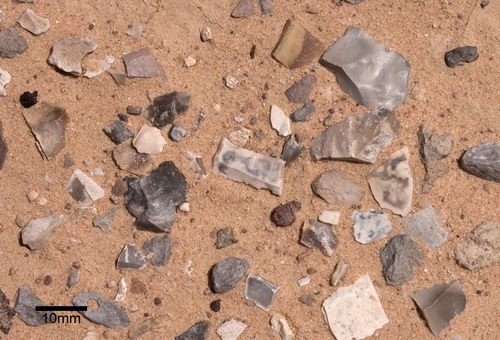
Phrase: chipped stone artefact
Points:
(231, 329)
(127, 158)
(398, 258)
(3, 147)
(11, 43)
(336, 188)
(280, 324)
(392, 183)
(425, 225)
(359, 138)
(25, 307)
(153, 198)
(135, 32)
(225, 238)
(243, 9)
(197, 166)
(292, 150)
(33, 23)
(83, 189)
(481, 247)
(67, 54)
(339, 273)
(199, 331)
(242, 165)
(300, 90)
(302, 114)
(226, 274)
(107, 313)
(460, 55)
(36, 234)
(118, 132)
(296, 46)
(483, 161)
(319, 235)
(330, 217)
(370, 225)
(160, 248)
(143, 64)
(166, 108)
(367, 72)
(105, 223)
(260, 291)
(240, 137)
(206, 34)
(130, 258)
(48, 124)
(354, 311)
(7, 313)
(5, 78)
(279, 121)
(149, 140)
(439, 304)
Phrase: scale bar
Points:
(61, 308)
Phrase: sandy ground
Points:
(462, 102)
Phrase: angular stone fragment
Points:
(135, 32)
(354, 311)
(83, 189)
(25, 307)
(206, 34)
(153, 198)
(106, 222)
(11, 43)
(296, 46)
(339, 273)
(336, 188)
(197, 166)
(370, 225)
(440, 303)
(330, 217)
(227, 273)
(460, 55)
(67, 54)
(225, 238)
(127, 158)
(48, 124)
(292, 150)
(118, 132)
(134, 110)
(280, 325)
(143, 64)
(300, 90)
(319, 235)
(33, 23)
(266, 7)
(122, 290)
(149, 140)
(5, 78)
(398, 257)
(307, 299)
(302, 114)
(176, 133)
(199, 331)
(242, 165)
(107, 313)
(231, 329)
(260, 291)
(481, 247)
(36, 234)
(240, 137)
(160, 247)
(119, 77)
(392, 184)
(166, 108)
(483, 161)
(147, 325)
(367, 72)
(243, 9)
(284, 214)
(425, 225)
(359, 138)
(130, 258)
(6, 314)
(279, 121)
(3, 147)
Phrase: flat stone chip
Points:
(292, 150)
(392, 184)
(354, 311)
(336, 188)
(279, 121)
(300, 90)
(483, 161)
(130, 258)
(167, 107)
(67, 54)
(226, 274)
(260, 291)
(199, 331)
(143, 64)
(319, 235)
(107, 314)
(426, 226)
(370, 225)
(105, 223)
(11, 43)
(160, 247)
(231, 329)
(25, 307)
(127, 158)
(398, 258)
(83, 189)
(33, 23)
(118, 132)
(243, 9)
(296, 46)
(36, 234)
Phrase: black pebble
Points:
(47, 280)
(28, 99)
(157, 301)
(123, 118)
(215, 305)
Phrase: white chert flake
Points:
(149, 140)
(231, 329)
(280, 122)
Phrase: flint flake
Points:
(425, 225)
(130, 258)
(166, 108)
(160, 247)
(227, 273)
(67, 54)
(302, 114)
(107, 314)
(260, 291)
(336, 188)
(199, 331)
(143, 64)
(127, 158)
(11, 43)
(118, 132)
(25, 307)
(319, 235)
(299, 92)
(33, 23)
(36, 234)
(83, 189)
(483, 161)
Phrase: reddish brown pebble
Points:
(47, 280)
(284, 215)
(303, 255)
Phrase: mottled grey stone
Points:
(176, 133)
(481, 247)
(143, 64)
(300, 90)
(243, 9)
(225, 238)
(199, 331)
(227, 273)
(83, 189)
(6, 314)
(336, 188)
(106, 222)
(292, 150)
(11, 43)
(161, 247)
(398, 257)
(260, 291)
(118, 132)
(302, 114)
(460, 55)
(166, 108)
(483, 161)
(36, 234)
(67, 54)
(370, 225)
(107, 314)
(130, 258)
(25, 307)
(319, 235)
(425, 225)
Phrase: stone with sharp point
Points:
(67, 54)
(36, 234)
(302, 114)
(83, 189)
(11, 43)
(227, 273)
(243, 9)
(300, 90)
(105, 223)
(130, 258)
(279, 121)
(107, 314)
(25, 307)
(199, 331)
(292, 150)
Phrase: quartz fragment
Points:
(230, 81)
(176, 133)
(107, 313)
(336, 188)
(3, 147)
(366, 71)
(280, 325)
(302, 114)
(36, 233)
(460, 55)
(153, 198)
(33, 23)
(481, 247)
(227, 273)
(225, 238)
(354, 311)
(160, 247)
(118, 132)
(292, 150)
(143, 64)
(370, 225)
(296, 46)
(106, 222)
(11, 43)
(392, 184)
(280, 122)
(440, 303)
(83, 189)
(330, 217)
(398, 257)
(166, 108)
(6, 314)
(231, 329)
(67, 54)
(284, 214)
(240, 137)
(149, 140)
(48, 124)
(199, 331)
(25, 307)
(483, 161)
(304, 281)
(243, 9)
(5, 78)
(242, 165)
(260, 291)
(299, 92)
(128, 159)
(130, 258)
(425, 225)
(359, 138)
(339, 273)
(319, 235)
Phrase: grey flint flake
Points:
(292, 150)
(425, 225)
(483, 161)
(143, 64)
(25, 307)
(36, 234)
(199, 331)
(302, 114)
(107, 314)
(166, 108)
(242, 165)
(300, 90)
(83, 189)
(11, 43)
(243, 9)
(67, 54)
(260, 291)
(130, 258)
(359, 138)
(227, 273)
(160, 248)
(105, 223)
(33, 23)
(118, 132)
(319, 235)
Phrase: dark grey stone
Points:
(134, 110)
(130, 258)
(25, 307)
(176, 133)
(225, 238)
(461, 55)
(73, 278)
(398, 257)
(68, 161)
(302, 114)
(354, 2)
(227, 273)
(106, 222)
(299, 92)
(307, 299)
(6, 314)
(292, 150)
(107, 314)
(11, 43)
(161, 247)
(319, 235)
(118, 132)
(3, 147)
(266, 7)
(143, 64)
(166, 108)
(483, 161)
(199, 331)
(260, 291)
(153, 198)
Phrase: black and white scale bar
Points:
(61, 308)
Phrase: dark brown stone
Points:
(284, 214)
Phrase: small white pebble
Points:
(189, 61)
(96, 172)
(238, 119)
(217, 108)
(304, 281)
(231, 81)
(42, 201)
(184, 206)
(32, 195)
(330, 217)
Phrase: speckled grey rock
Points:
(398, 257)
(370, 225)
(199, 331)
(483, 161)
(425, 225)
(319, 235)
(130, 258)
(161, 247)
(11, 43)
(176, 133)
(227, 273)
(336, 188)
(7, 313)
(481, 247)
(25, 307)
(107, 314)
(460, 55)
(302, 114)
(118, 132)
